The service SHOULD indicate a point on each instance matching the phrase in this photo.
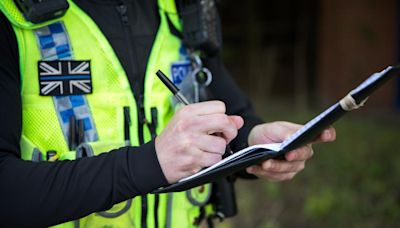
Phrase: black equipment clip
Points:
(201, 25)
(38, 11)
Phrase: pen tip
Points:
(159, 73)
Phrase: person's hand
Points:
(195, 137)
(276, 132)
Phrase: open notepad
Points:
(257, 153)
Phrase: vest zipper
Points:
(138, 95)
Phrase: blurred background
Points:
(296, 58)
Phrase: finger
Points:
(195, 159)
(300, 154)
(271, 176)
(238, 121)
(276, 131)
(189, 160)
(289, 125)
(210, 143)
(209, 159)
(215, 123)
(279, 166)
(203, 108)
(327, 135)
(279, 177)
(192, 171)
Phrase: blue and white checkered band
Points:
(54, 44)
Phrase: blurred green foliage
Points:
(352, 182)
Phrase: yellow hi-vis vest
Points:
(41, 129)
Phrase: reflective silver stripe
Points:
(81, 112)
(50, 40)
(168, 221)
(76, 223)
(54, 44)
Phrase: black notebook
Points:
(258, 153)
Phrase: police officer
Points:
(81, 111)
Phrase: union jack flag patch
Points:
(64, 77)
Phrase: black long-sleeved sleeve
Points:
(41, 194)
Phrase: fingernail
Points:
(328, 134)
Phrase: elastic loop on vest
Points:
(84, 150)
(196, 201)
(348, 103)
(106, 214)
(37, 155)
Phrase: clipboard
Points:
(258, 153)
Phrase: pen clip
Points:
(172, 87)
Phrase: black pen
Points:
(172, 87)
